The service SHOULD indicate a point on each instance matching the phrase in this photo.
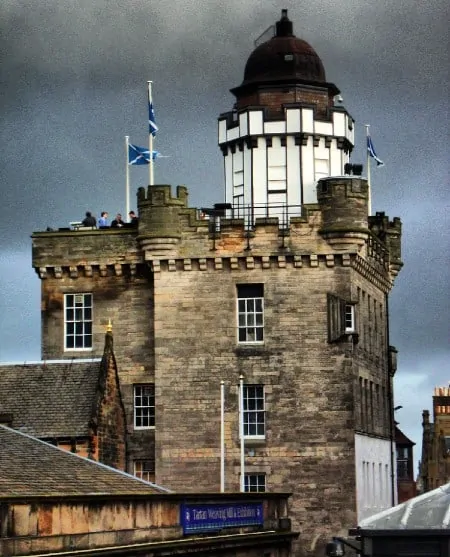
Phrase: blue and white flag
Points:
(140, 155)
(152, 127)
(371, 151)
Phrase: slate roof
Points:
(430, 511)
(401, 438)
(50, 399)
(30, 467)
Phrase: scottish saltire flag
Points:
(152, 127)
(140, 155)
(371, 151)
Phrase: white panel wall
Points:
(336, 160)
(373, 475)
(228, 164)
(293, 120)
(307, 120)
(255, 122)
(309, 185)
(243, 123)
(222, 131)
(233, 133)
(274, 127)
(321, 162)
(293, 172)
(260, 172)
(238, 168)
(247, 174)
(276, 171)
(339, 124)
(325, 128)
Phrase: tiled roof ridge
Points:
(70, 361)
(86, 460)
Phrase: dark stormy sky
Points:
(73, 84)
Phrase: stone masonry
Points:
(169, 289)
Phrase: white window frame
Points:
(254, 405)
(350, 324)
(78, 320)
(144, 411)
(255, 483)
(250, 316)
(145, 470)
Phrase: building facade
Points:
(406, 484)
(283, 291)
(435, 463)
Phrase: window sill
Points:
(250, 349)
(254, 441)
(145, 428)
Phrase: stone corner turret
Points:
(343, 202)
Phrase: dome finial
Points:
(284, 26)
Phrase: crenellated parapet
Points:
(169, 230)
(390, 234)
(160, 220)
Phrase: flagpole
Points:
(369, 189)
(241, 430)
(150, 138)
(127, 178)
(222, 436)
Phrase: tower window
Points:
(341, 318)
(254, 411)
(250, 310)
(78, 321)
(144, 406)
(255, 483)
(349, 318)
(288, 57)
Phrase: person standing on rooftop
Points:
(89, 220)
(103, 220)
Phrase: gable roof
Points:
(401, 438)
(50, 399)
(31, 468)
(429, 511)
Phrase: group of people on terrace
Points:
(103, 221)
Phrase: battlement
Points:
(161, 196)
(169, 229)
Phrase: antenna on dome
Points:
(265, 35)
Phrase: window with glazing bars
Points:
(254, 411)
(144, 406)
(255, 482)
(145, 469)
(78, 321)
(250, 309)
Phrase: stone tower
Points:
(284, 289)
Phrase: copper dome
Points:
(284, 58)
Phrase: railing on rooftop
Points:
(250, 213)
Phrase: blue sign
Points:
(204, 518)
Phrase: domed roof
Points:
(284, 57)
